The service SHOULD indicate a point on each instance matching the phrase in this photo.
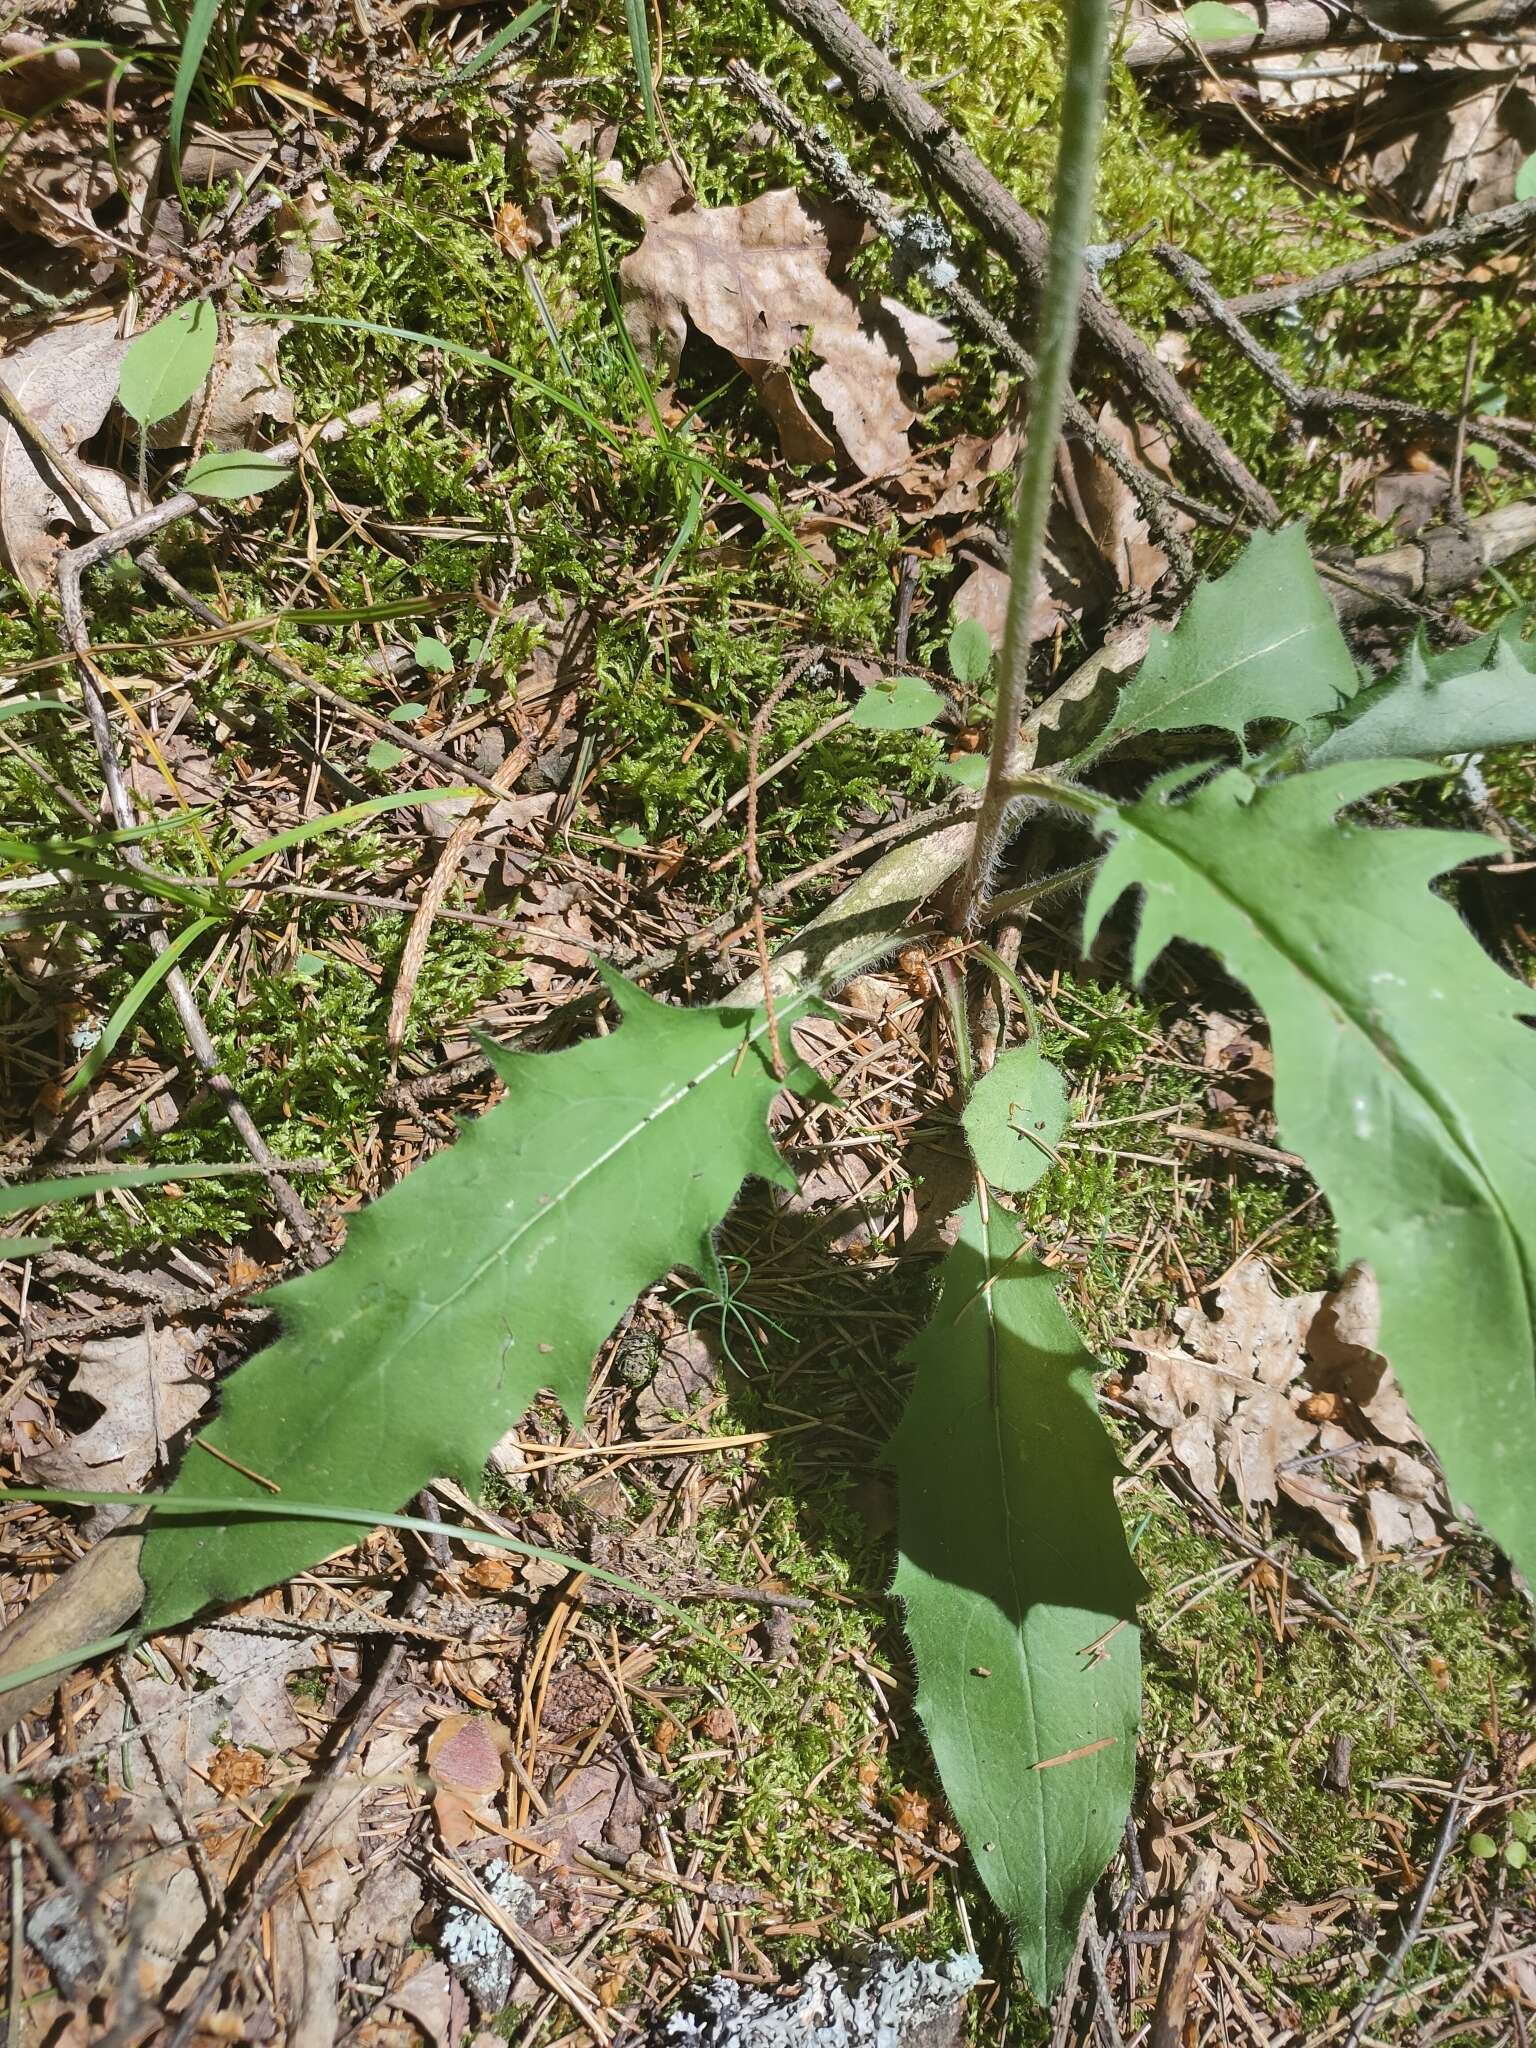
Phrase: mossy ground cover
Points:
(804, 1777)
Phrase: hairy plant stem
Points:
(1077, 159)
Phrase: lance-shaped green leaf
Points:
(1480, 695)
(493, 1270)
(1404, 1076)
(1020, 1593)
(1260, 642)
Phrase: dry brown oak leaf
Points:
(765, 281)
(66, 379)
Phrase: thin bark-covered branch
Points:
(1162, 43)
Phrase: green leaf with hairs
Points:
(494, 1270)
(1480, 695)
(1016, 1117)
(1019, 1590)
(1405, 1076)
(1260, 643)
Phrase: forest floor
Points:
(574, 573)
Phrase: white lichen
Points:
(475, 1948)
(885, 2004)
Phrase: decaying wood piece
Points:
(886, 101)
(1184, 1952)
(85, 1604)
(1436, 562)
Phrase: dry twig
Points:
(882, 98)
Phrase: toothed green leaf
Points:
(493, 1270)
(1481, 695)
(1019, 1590)
(1260, 642)
(1405, 1076)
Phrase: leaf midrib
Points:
(1217, 675)
(385, 1359)
(994, 1390)
(1390, 1056)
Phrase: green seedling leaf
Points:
(1405, 1076)
(1211, 21)
(1486, 458)
(384, 754)
(1016, 1117)
(493, 1270)
(1525, 179)
(629, 835)
(429, 652)
(168, 363)
(1480, 695)
(1482, 1845)
(969, 770)
(1522, 1826)
(1260, 642)
(970, 654)
(1516, 1855)
(1019, 1590)
(234, 474)
(897, 704)
(407, 714)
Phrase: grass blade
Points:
(134, 1001)
(640, 47)
(194, 41)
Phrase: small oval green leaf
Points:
(969, 770)
(1015, 1119)
(430, 652)
(385, 754)
(1525, 179)
(1482, 1845)
(166, 364)
(1516, 1855)
(236, 474)
(1212, 21)
(897, 704)
(970, 653)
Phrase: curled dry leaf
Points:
(65, 378)
(764, 281)
(148, 1394)
(1253, 1393)
(467, 1763)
